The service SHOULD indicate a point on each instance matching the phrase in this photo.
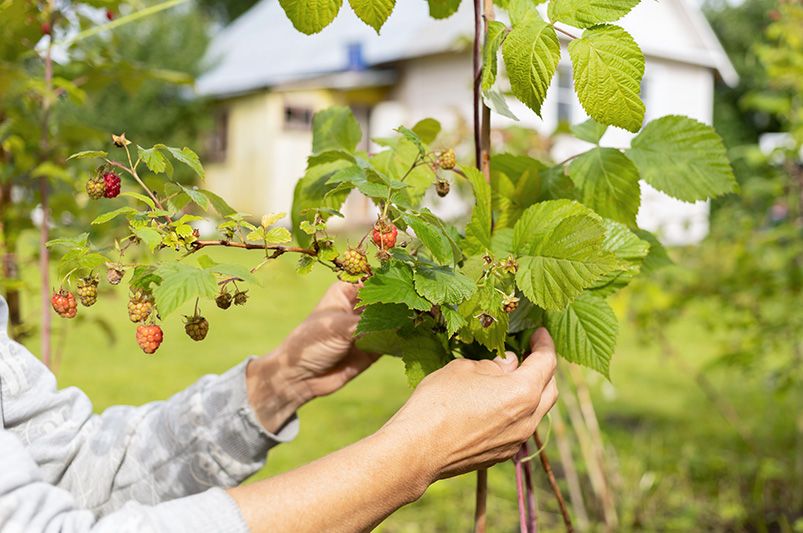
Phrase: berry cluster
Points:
(355, 262)
(384, 235)
(105, 185)
(140, 305)
(149, 337)
(196, 327)
(88, 290)
(64, 304)
(447, 159)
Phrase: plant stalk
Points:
(553, 483)
(44, 193)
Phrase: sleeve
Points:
(30, 504)
(205, 436)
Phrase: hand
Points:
(472, 414)
(316, 359)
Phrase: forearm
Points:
(350, 490)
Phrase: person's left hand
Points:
(316, 359)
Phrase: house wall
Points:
(264, 158)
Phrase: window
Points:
(565, 94)
(297, 117)
(219, 140)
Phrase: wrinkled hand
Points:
(316, 359)
(321, 351)
(472, 414)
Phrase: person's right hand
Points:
(472, 414)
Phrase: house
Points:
(269, 79)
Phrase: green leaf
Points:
(487, 300)
(155, 160)
(520, 10)
(493, 40)
(629, 249)
(197, 196)
(278, 236)
(607, 67)
(314, 194)
(531, 52)
(422, 358)
(220, 205)
(453, 319)
(235, 271)
(441, 9)
(411, 136)
(140, 197)
(585, 333)
(589, 131)
(587, 13)
(478, 230)
(608, 183)
(560, 247)
(189, 158)
(373, 12)
(430, 231)
(79, 241)
(443, 285)
(88, 154)
(329, 156)
(149, 236)
(392, 284)
(380, 317)
(517, 184)
(496, 102)
(657, 257)
(335, 128)
(180, 283)
(684, 158)
(105, 217)
(427, 129)
(311, 16)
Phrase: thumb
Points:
(509, 363)
(542, 361)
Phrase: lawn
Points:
(679, 465)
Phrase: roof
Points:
(262, 49)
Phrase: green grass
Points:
(680, 466)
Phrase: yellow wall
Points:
(264, 159)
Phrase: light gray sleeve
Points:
(28, 504)
(203, 437)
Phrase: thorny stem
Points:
(553, 483)
(198, 245)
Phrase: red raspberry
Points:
(46, 29)
(149, 338)
(109, 14)
(112, 185)
(196, 327)
(64, 304)
(384, 236)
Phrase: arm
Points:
(468, 415)
(214, 434)
(29, 503)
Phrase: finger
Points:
(540, 365)
(509, 363)
(548, 398)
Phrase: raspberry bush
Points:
(546, 243)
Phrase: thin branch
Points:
(198, 245)
(564, 32)
(553, 483)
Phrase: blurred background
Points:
(701, 425)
